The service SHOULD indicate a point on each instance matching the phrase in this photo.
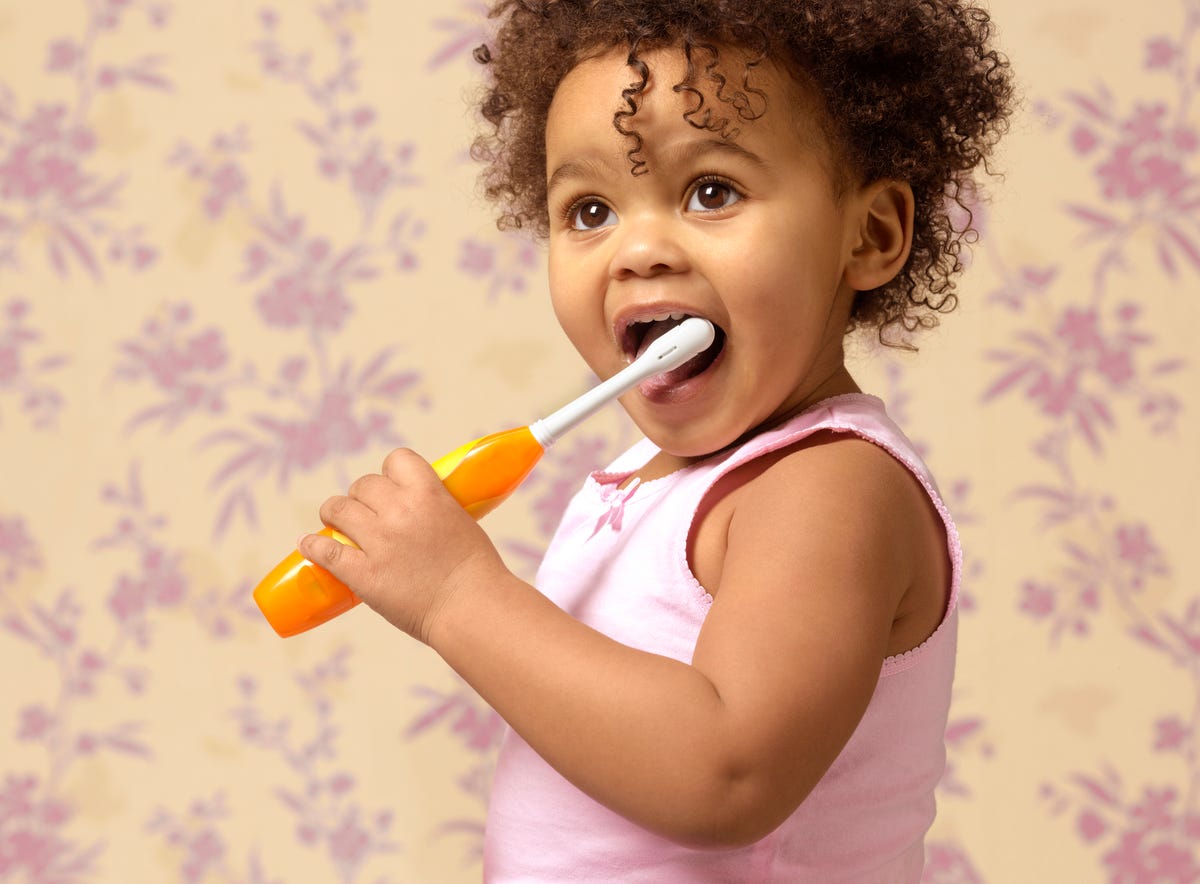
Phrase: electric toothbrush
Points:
(298, 595)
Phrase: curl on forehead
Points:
(721, 90)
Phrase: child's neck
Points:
(664, 463)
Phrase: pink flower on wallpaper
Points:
(158, 581)
(1138, 554)
(342, 420)
(1038, 600)
(1088, 359)
(187, 366)
(22, 376)
(218, 168)
(43, 182)
(62, 634)
(43, 154)
(506, 264)
(34, 814)
(464, 33)
(1174, 735)
(319, 791)
(63, 56)
(315, 410)
(18, 552)
(32, 845)
(350, 844)
(1177, 637)
(1028, 283)
(947, 863)
(1068, 606)
(372, 174)
(1147, 153)
(195, 839)
(160, 584)
(1140, 858)
(1161, 53)
(964, 735)
(1146, 162)
(467, 717)
(46, 181)
(350, 409)
(299, 300)
(1118, 567)
(347, 146)
(479, 728)
(36, 722)
(1154, 838)
(52, 629)
(306, 276)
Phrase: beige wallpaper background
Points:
(241, 258)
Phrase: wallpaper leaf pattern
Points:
(232, 241)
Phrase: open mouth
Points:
(639, 334)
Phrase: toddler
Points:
(737, 660)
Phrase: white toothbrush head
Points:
(688, 339)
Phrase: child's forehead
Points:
(727, 94)
(711, 67)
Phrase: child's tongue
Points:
(654, 332)
(668, 379)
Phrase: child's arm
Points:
(819, 553)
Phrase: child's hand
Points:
(417, 546)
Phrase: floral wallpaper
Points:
(242, 257)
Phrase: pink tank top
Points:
(618, 562)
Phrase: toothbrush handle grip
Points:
(482, 474)
(298, 595)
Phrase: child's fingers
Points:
(346, 514)
(347, 563)
(373, 491)
(403, 465)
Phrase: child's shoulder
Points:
(830, 470)
(818, 483)
(832, 509)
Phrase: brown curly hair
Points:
(910, 90)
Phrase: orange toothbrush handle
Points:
(298, 595)
(481, 474)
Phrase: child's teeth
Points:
(663, 317)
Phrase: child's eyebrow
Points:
(574, 169)
(695, 150)
(685, 154)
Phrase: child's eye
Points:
(711, 195)
(591, 215)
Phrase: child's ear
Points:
(884, 234)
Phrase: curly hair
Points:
(909, 90)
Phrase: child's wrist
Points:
(460, 598)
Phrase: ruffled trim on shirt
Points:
(899, 662)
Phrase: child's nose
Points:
(647, 244)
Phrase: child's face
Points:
(744, 231)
